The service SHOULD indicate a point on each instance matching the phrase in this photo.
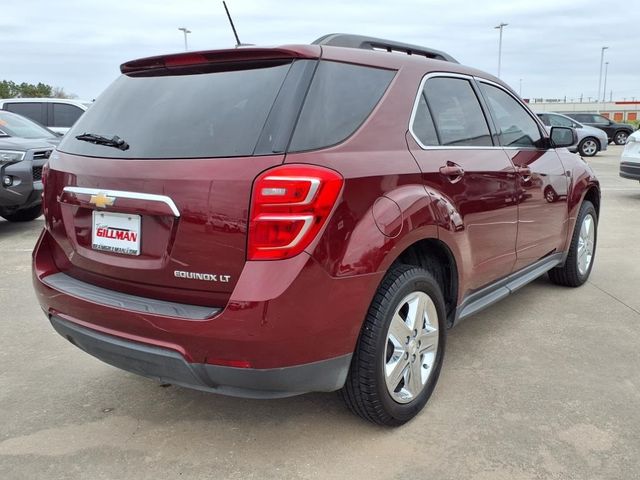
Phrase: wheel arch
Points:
(436, 257)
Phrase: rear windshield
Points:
(231, 113)
(218, 114)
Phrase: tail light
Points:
(289, 205)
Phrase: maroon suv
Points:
(265, 222)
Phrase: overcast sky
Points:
(552, 45)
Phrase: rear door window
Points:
(456, 112)
(32, 110)
(340, 98)
(65, 115)
(516, 128)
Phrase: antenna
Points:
(235, 34)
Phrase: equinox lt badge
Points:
(208, 277)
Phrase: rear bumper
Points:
(630, 170)
(289, 325)
(169, 366)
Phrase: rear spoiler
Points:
(207, 57)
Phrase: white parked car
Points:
(57, 114)
(630, 160)
(591, 140)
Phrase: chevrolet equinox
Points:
(265, 222)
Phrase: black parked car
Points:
(617, 132)
(25, 147)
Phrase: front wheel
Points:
(620, 138)
(400, 350)
(582, 251)
(588, 147)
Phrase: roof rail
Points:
(371, 43)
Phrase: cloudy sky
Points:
(553, 46)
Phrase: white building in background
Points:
(618, 111)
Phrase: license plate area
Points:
(116, 232)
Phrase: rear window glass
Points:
(340, 98)
(218, 114)
(65, 115)
(34, 111)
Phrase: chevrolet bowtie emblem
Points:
(102, 200)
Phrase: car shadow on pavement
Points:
(34, 226)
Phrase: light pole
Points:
(604, 89)
(185, 30)
(601, 63)
(500, 27)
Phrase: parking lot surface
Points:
(543, 385)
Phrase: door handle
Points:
(453, 172)
(524, 172)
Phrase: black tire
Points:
(365, 391)
(569, 274)
(25, 215)
(620, 137)
(585, 148)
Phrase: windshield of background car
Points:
(17, 126)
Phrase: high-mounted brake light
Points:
(290, 203)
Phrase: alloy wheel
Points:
(589, 148)
(586, 244)
(412, 347)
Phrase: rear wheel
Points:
(25, 215)
(588, 147)
(579, 262)
(400, 350)
(620, 138)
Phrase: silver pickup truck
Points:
(25, 147)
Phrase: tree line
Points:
(10, 89)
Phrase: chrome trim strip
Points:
(123, 194)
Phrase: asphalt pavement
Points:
(543, 385)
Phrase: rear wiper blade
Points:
(114, 141)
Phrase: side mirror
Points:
(575, 125)
(563, 136)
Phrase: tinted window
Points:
(581, 117)
(65, 115)
(34, 111)
(217, 114)
(600, 120)
(340, 98)
(515, 126)
(456, 112)
(423, 126)
(560, 121)
(17, 126)
(544, 118)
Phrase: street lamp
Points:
(601, 63)
(604, 90)
(185, 30)
(500, 27)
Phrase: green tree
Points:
(10, 89)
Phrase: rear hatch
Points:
(162, 211)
